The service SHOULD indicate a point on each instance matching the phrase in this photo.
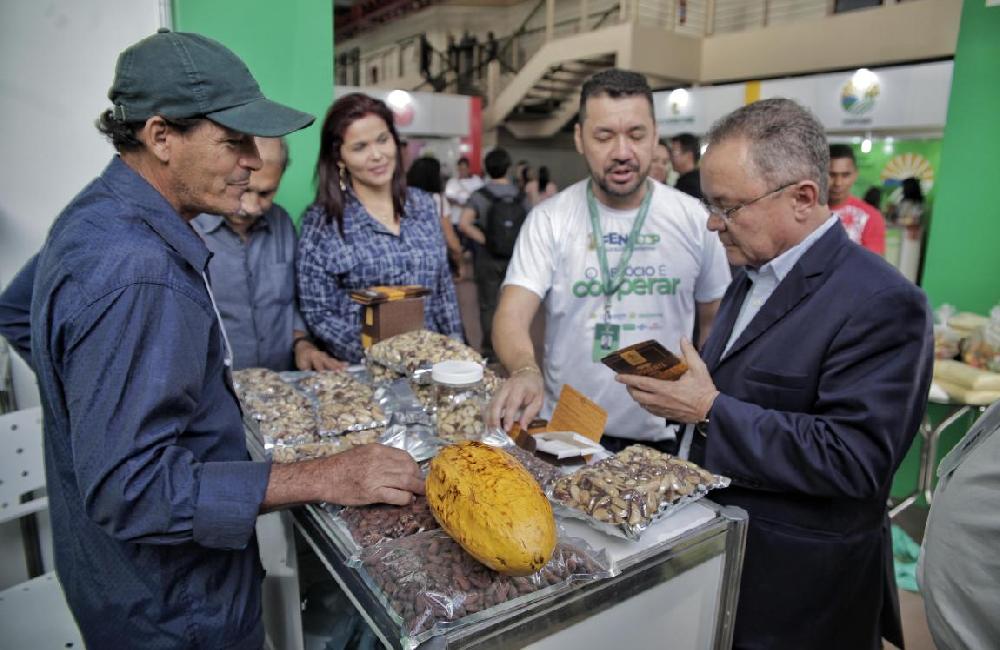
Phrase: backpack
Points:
(503, 221)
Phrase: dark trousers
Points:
(490, 272)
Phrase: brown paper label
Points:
(633, 357)
(575, 412)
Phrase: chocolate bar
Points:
(648, 359)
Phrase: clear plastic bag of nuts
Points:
(284, 414)
(430, 584)
(406, 353)
(284, 451)
(292, 453)
(334, 418)
(380, 374)
(343, 404)
(252, 381)
(291, 427)
(626, 493)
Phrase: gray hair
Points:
(285, 160)
(787, 142)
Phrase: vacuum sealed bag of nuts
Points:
(430, 584)
(343, 404)
(407, 353)
(303, 415)
(624, 494)
(286, 416)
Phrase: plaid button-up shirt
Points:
(330, 266)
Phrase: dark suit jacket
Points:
(822, 394)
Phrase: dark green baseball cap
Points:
(180, 75)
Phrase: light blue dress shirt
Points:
(767, 278)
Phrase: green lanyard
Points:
(611, 283)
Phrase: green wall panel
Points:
(288, 47)
(963, 254)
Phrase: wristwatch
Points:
(701, 426)
(299, 339)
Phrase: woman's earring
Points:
(343, 179)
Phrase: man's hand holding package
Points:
(375, 474)
(524, 393)
(688, 399)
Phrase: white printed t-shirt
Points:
(676, 263)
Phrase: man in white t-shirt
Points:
(459, 188)
(661, 266)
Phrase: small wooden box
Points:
(383, 320)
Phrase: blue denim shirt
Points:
(152, 493)
(254, 286)
(331, 265)
(15, 310)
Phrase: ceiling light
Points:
(863, 79)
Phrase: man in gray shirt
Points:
(252, 273)
(959, 569)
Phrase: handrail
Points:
(604, 17)
(520, 30)
(507, 42)
(358, 21)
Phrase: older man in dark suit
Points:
(813, 385)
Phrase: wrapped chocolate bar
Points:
(648, 359)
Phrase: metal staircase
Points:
(543, 96)
(553, 100)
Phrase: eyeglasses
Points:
(727, 213)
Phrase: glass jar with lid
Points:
(459, 400)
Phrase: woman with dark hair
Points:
(910, 210)
(525, 176)
(912, 191)
(541, 188)
(366, 228)
(873, 197)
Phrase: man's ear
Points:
(578, 138)
(806, 198)
(157, 136)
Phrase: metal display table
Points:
(680, 582)
(930, 438)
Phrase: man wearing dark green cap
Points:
(152, 493)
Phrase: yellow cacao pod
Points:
(492, 507)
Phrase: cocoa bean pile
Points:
(370, 525)
(544, 473)
(427, 578)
